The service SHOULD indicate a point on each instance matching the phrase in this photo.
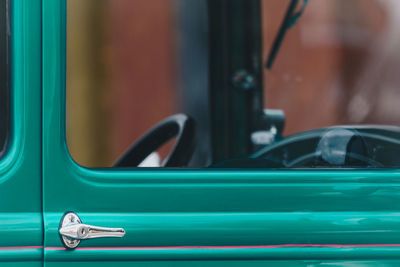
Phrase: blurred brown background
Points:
(121, 74)
(337, 66)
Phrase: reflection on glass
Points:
(133, 63)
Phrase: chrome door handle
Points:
(72, 231)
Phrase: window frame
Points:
(5, 65)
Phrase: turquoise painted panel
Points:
(230, 229)
(26, 255)
(20, 169)
(20, 229)
(219, 191)
(250, 263)
(242, 254)
(22, 264)
(206, 207)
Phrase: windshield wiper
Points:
(289, 21)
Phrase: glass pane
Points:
(4, 75)
(337, 66)
(329, 100)
(340, 60)
(125, 64)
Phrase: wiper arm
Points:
(289, 21)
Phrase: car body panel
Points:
(22, 264)
(21, 231)
(253, 263)
(322, 216)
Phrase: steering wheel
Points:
(340, 146)
(367, 146)
(352, 160)
(180, 126)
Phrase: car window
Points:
(338, 66)
(329, 100)
(4, 75)
(125, 74)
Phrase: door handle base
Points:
(68, 219)
(72, 231)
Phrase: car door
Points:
(21, 231)
(194, 217)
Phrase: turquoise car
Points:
(260, 197)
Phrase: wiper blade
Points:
(289, 21)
